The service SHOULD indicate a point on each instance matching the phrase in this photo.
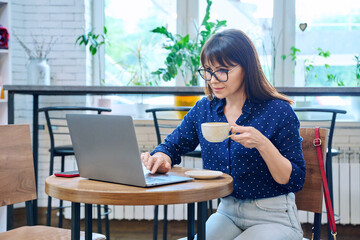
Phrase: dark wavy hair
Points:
(233, 47)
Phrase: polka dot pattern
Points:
(275, 119)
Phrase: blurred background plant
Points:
(140, 74)
(40, 49)
(357, 69)
(94, 41)
(184, 53)
(309, 66)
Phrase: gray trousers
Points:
(273, 218)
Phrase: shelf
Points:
(3, 101)
(4, 51)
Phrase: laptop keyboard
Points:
(152, 178)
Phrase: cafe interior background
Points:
(300, 43)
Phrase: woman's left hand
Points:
(249, 137)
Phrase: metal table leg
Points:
(165, 222)
(201, 219)
(156, 221)
(99, 225)
(35, 149)
(191, 221)
(10, 208)
(75, 221)
(88, 221)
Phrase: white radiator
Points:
(346, 184)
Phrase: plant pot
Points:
(185, 101)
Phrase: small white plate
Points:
(203, 174)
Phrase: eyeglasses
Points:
(222, 75)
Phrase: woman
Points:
(264, 157)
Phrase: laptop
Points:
(106, 149)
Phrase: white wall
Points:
(62, 19)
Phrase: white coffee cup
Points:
(215, 131)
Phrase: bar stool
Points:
(57, 126)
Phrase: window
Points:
(254, 17)
(324, 51)
(329, 43)
(134, 52)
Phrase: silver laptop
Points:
(106, 149)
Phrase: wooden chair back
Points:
(17, 179)
(311, 196)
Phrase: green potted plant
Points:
(184, 53)
(95, 41)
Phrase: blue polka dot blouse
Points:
(275, 119)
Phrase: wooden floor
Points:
(143, 230)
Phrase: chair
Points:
(165, 122)
(17, 184)
(323, 117)
(311, 196)
(57, 126)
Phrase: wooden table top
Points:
(83, 190)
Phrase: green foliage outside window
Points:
(357, 69)
(326, 75)
(133, 54)
(184, 53)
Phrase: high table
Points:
(82, 190)
(37, 90)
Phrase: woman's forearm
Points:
(279, 167)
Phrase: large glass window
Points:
(315, 42)
(327, 42)
(327, 50)
(254, 17)
(134, 52)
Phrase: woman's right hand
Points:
(159, 162)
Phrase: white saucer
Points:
(203, 174)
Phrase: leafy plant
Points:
(293, 54)
(140, 73)
(308, 63)
(357, 70)
(330, 77)
(94, 41)
(184, 53)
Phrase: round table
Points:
(82, 190)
